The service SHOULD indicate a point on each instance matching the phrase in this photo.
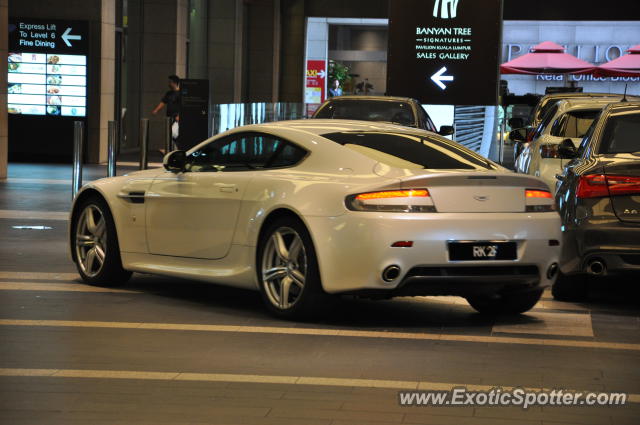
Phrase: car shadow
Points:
(425, 314)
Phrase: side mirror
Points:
(515, 122)
(518, 135)
(175, 161)
(446, 130)
(567, 149)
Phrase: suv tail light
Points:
(601, 185)
(549, 151)
(623, 185)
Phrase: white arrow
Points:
(66, 37)
(321, 73)
(438, 78)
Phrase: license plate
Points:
(482, 251)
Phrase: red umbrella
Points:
(624, 66)
(546, 58)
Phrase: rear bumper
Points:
(354, 249)
(463, 281)
(615, 243)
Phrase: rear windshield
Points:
(621, 134)
(369, 110)
(411, 151)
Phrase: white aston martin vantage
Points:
(303, 210)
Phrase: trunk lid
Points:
(478, 192)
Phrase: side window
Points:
(577, 123)
(586, 140)
(544, 107)
(557, 129)
(245, 151)
(545, 121)
(288, 156)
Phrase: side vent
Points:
(133, 197)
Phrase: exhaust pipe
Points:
(596, 267)
(391, 273)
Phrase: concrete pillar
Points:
(261, 51)
(182, 29)
(107, 73)
(277, 43)
(4, 139)
(292, 63)
(198, 20)
(225, 42)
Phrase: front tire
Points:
(95, 244)
(510, 303)
(288, 272)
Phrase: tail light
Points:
(623, 185)
(411, 200)
(535, 193)
(538, 200)
(549, 151)
(601, 185)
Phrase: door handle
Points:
(228, 188)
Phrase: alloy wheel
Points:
(284, 267)
(91, 240)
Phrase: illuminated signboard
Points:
(444, 52)
(47, 68)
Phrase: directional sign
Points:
(66, 36)
(315, 82)
(438, 78)
(444, 51)
(47, 63)
(48, 35)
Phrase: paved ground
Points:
(169, 351)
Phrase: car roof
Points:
(376, 98)
(629, 106)
(586, 103)
(320, 126)
(568, 95)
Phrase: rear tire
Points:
(94, 244)
(510, 303)
(570, 288)
(287, 271)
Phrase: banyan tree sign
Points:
(444, 51)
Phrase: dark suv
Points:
(598, 196)
(397, 110)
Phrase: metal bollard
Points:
(503, 128)
(111, 148)
(144, 143)
(78, 137)
(168, 139)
